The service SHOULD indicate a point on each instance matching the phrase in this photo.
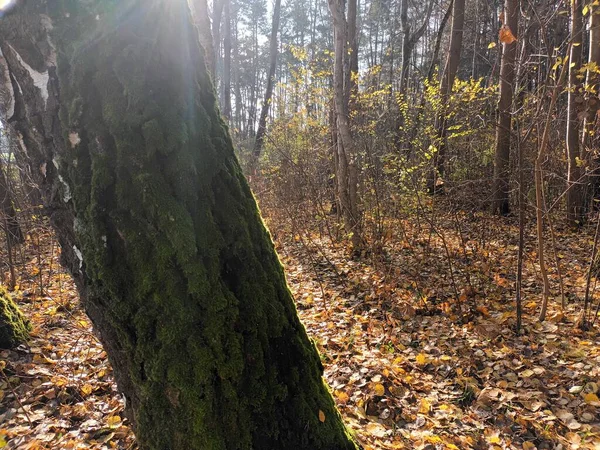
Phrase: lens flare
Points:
(5, 5)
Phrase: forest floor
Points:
(418, 344)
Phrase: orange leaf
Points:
(321, 416)
(506, 36)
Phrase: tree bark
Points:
(262, 121)
(500, 202)
(14, 327)
(160, 230)
(202, 20)
(10, 220)
(226, 79)
(446, 84)
(346, 176)
(590, 125)
(575, 209)
(409, 40)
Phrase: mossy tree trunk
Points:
(14, 327)
(160, 230)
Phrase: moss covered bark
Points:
(175, 266)
(14, 327)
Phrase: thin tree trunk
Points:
(262, 121)
(11, 222)
(410, 40)
(574, 196)
(522, 200)
(239, 118)
(446, 84)
(500, 201)
(430, 73)
(161, 232)
(226, 80)
(346, 188)
(590, 138)
(539, 194)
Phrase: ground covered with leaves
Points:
(418, 343)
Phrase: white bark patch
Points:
(79, 255)
(22, 145)
(77, 225)
(49, 26)
(40, 79)
(66, 189)
(46, 22)
(74, 139)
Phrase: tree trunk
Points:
(590, 138)
(574, 197)
(345, 152)
(262, 121)
(226, 80)
(161, 232)
(202, 20)
(14, 327)
(410, 40)
(500, 199)
(9, 215)
(446, 84)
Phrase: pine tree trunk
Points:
(161, 232)
(501, 203)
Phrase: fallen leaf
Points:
(321, 416)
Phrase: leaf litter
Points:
(412, 362)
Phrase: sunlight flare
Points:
(5, 5)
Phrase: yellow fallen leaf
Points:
(425, 406)
(494, 439)
(321, 416)
(422, 359)
(342, 396)
(527, 373)
(379, 389)
(87, 389)
(113, 421)
(591, 398)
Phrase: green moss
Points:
(14, 327)
(175, 252)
